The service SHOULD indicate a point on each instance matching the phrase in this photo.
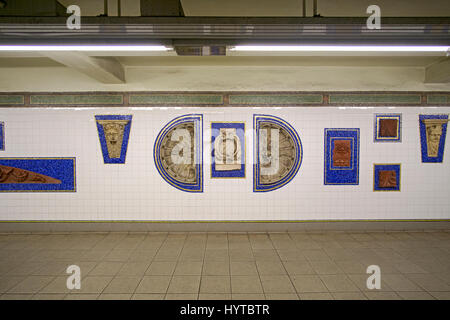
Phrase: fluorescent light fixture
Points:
(83, 48)
(344, 48)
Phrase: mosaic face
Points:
(114, 130)
(434, 133)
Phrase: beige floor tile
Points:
(106, 268)
(148, 296)
(184, 284)
(153, 284)
(281, 296)
(399, 282)
(133, 269)
(123, 284)
(31, 284)
(76, 296)
(243, 268)
(118, 255)
(270, 268)
(338, 283)
(351, 266)
(57, 285)
(141, 255)
(298, 267)
(161, 268)
(188, 268)
(325, 267)
(266, 255)
(277, 284)
(315, 255)
(315, 296)
(7, 282)
(215, 284)
(115, 296)
(382, 295)
(12, 296)
(417, 295)
(440, 295)
(217, 255)
(291, 255)
(429, 282)
(25, 269)
(94, 255)
(181, 296)
(50, 296)
(214, 296)
(349, 295)
(93, 284)
(246, 284)
(248, 296)
(215, 268)
(308, 283)
(241, 254)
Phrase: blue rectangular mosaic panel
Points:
(235, 168)
(37, 174)
(341, 157)
(2, 136)
(439, 132)
(117, 129)
(386, 177)
(387, 127)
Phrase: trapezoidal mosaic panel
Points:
(178, 153)
(433, 130)
(114, 133)
(341, 156)
(228, 150)
(278, 153)
(37, 174)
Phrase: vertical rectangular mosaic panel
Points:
(341, 157)
(2, 136)
(37, 174)
(433, 130)
(228, 150)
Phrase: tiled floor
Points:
(332, 265)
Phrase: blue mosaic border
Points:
(397, 116)
(378, 167)
(2, 136)
(198, 122)
(63, 169)
(257, 119)
(126, 136)
(423, 139)
(341, 176)
(240, 132)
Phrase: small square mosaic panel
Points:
(386, 177)
(387, 127)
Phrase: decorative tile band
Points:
(341, 156)
(167, 98)
(375, 98)
(37, 174)
(438, 99)
(12, 99)
(279, 99)
(176, 99)
(82, 99)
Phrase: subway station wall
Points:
(66, 142)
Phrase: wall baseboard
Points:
(223, 226)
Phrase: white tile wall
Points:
(135, 190)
